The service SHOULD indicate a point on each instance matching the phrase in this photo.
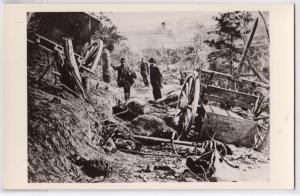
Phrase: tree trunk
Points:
(231, 62)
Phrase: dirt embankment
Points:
(61, 126)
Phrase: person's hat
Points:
(151, 60)
(122, 58)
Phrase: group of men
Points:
(126, 77)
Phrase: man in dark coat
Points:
(144, 72)
(106, 72)
(155, 79)
(125, 77)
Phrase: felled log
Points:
(228, 127)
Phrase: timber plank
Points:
(230, 94)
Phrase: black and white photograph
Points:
(152, 97)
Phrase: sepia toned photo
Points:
(124, 97)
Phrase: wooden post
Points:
(244, 54)
(71, 57)
(96, 61)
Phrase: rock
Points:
(149, 168)
(190, 180)
(171, 177)
(56, 100)
(109, 146)
(162, 167)
(92, 168)
(125, 144)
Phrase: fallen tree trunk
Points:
(227, 127)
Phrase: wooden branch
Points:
(70, 90)
(171, 74)
(244, 54)
(95, 63)
(146, 153)
(229, 77)
(44, 73)
(261, 118)
(162, 140)
(259, 76)
(266, 26)
(42, 40)
(71, 59)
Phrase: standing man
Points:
(106, 66)
(155, 79)
(125, 77)
(144, 72)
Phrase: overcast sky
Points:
(144, 29)
(128, 21)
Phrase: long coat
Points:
(144, 69)
(155, 76)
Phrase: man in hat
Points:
(125, 77)
(144, 72)
(106, 62)
(155, 79)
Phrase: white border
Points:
(271, 47)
